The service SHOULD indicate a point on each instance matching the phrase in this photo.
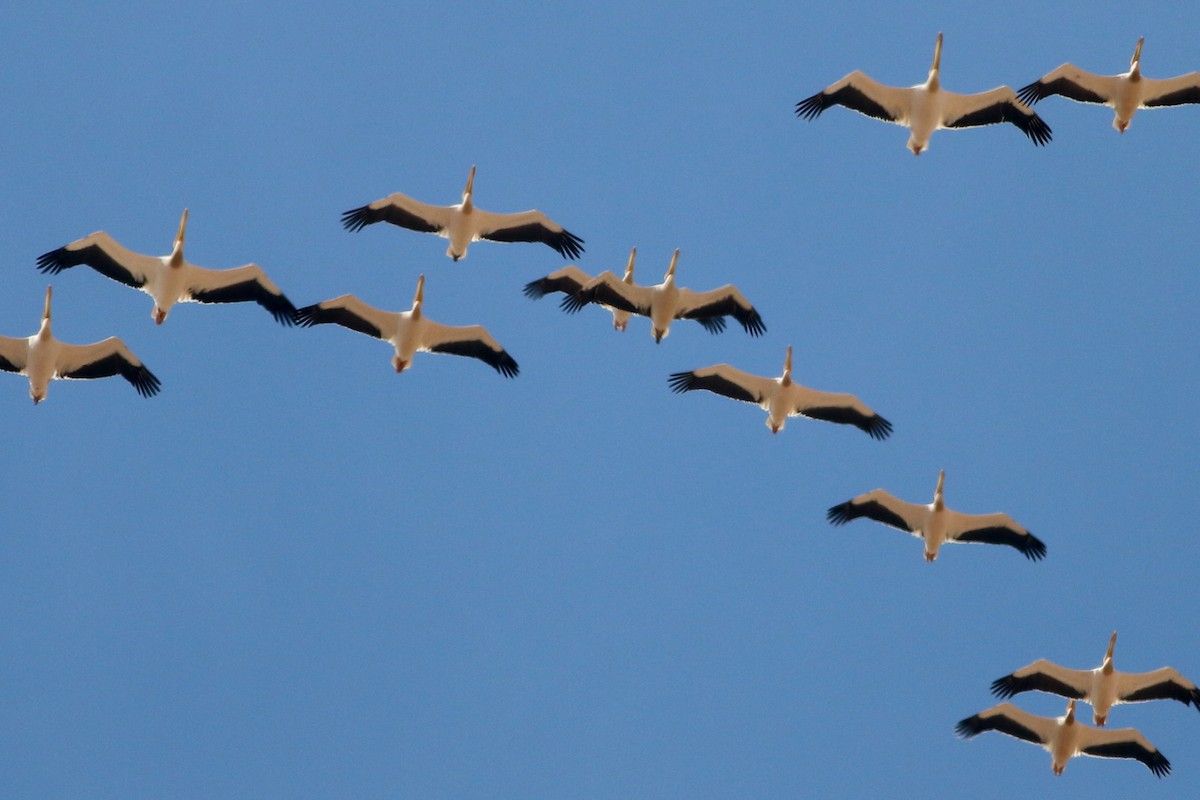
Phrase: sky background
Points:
(297, 574)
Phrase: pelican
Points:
(43, 358)
(570, 279)
(1125, 93)
(1064, 737)
(937, 524)
(169, 279)
(666, 302)
(1102, 687)
(782, 398)
(926, 107)
(410, 331)
(464, 223)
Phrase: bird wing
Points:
(858, 92)
(1161, 684)
(1171, 91)
(718, 303)
(527, 226)
(845, 409)
(472, 341)
(1122, 743)
(990, 108)
(1045, 676)
(1072, 82)
(882, 507)
(104, 359)
(14, 354)
(724, 380)
(349, 312)
(1008, 719)
(608, 290)
(240, 285)
(402, 210)
(568, 280)
(102, 253)
(993, 529)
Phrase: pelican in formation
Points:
(667, 301)
(570, 279)
(410, 331)
(926, 107)
(464, 223)
(782, 397)
(1102, 687)
(936, 524)
(169, 279)
(42, 358)
(1125, 93)
(1064, 737)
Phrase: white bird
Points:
(782, 398)
(570, 279)
(1125, 93)
(169, 279)
(1064, 737)
(667, 301)
(410, 331)
(464, 223)
(926, 107)
(43, 358)
(936, 524)
(1102, 687)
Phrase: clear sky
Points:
(297, 574)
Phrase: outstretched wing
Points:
(402, 210)
(858, 92)
(105, 359)
(993, 529)
(719, 303)
(472, 341)
(528, 226)
(991, 108)
(1045, 676)
(240, 285)
(102, 253)
(882, 507)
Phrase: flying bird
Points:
(782, 397)
(667, 301)
(1125, 93)
(169, 279)
(926, 107)
(464, 223)
(43, 358)
(936, 524)
(1064, 737)
(1102, 687)
(410, 331)
(570, 279)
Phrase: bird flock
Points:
(923, 108)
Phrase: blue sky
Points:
(296, 574)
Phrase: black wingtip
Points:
(811, 107)
(879, 428)
(1038, 131)
(1159, 765)
(357, 218)
(1030, 94)
(753, 324)
(53, 262)
(146, 382)
(506, 366)
(970, 727)
(305, 317)
(534, 290)
(1005, 687)
(574, 301)
(1035, 548)
(568, 245)
(839, 514)
(680, 382)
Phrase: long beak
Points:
(1137, 52)
(629, 267)
(470, 183)
(674, 261)
(941, 481)
(787, 367)
(46, 312)
(182, 229)
(1070, 711)
(1112, 642)
(419, 297)
(937, 54)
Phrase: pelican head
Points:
(786, 378)
(176, 257)
(629, 267)
(671, 269)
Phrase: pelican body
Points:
(1064, 737)
(570, 279)
(170, 279)
(1124, 93)
(935, 524)
(667, 302)
(926, 107)
(782, 397)
(410, 331)
(43, 358)
(463, 223)
(1102, 687)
